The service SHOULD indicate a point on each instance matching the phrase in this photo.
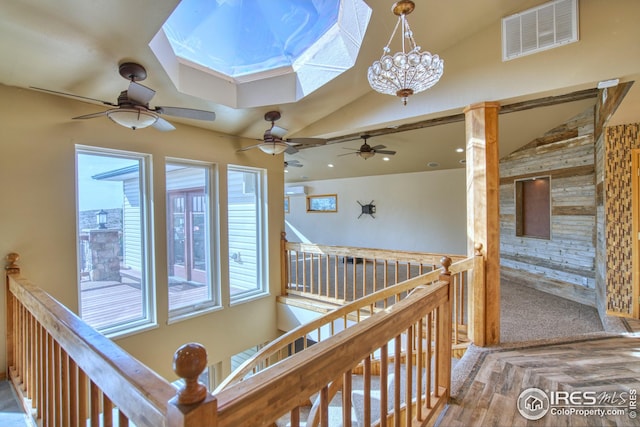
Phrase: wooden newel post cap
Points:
(445, 261)
(189, 362)
(12, 263)
(478, 249)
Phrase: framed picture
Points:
(322, 203)
(286, 204)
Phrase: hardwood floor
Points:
(604, 369)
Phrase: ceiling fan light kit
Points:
(132, 118)
(366, 151)
(273, 142)
(407, 72)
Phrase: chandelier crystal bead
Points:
(405, 73)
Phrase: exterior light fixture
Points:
(101, 219)
(407, 72)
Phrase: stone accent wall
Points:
(564, 265)
(618, 215)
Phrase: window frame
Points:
(262, 257)
(149, 319)
(212, 241)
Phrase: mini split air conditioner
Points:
(295, 190)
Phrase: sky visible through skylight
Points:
(240, 37)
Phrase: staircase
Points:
(11, 412)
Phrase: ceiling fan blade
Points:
(390, 153)
(278, 132)
(249, 147)
(187, 113)
(163, 125)
(139, 93)
(348, 154)
(379, 147)
(73, 96)
(291, 150)
(92, 115)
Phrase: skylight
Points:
(271, 51)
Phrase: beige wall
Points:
(38, 216)
(421, 211)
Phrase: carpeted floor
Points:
(528, 314)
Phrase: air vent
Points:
(544, 27)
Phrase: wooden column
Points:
(483, 219)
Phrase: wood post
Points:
(284, 264)
(444, 331)
(193, 405)
(483, 219)
(11, 268)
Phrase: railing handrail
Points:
(371, 253)
(269, 401)
(273, 347)
(140, 392)
(141, 395)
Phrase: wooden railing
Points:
(68, 374)
(393, 355)
(339, 274)
(346, 273)
(411, 342)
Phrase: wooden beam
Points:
(454, 118)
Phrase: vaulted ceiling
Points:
(75, 46)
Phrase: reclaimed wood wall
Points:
(563, 265)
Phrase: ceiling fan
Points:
(273, 141)
(366, 151)
(132, 108)
(292, 163)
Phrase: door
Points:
(187, 248)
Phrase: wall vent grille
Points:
(543, 27)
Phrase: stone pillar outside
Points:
(104, 246)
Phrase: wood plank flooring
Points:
(608, 366)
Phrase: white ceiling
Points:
(75, 46)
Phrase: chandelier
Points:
(404, 73)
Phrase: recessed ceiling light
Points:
(330, 165)
(386, 159)
(459, 150)
(286, 171)
(433, 164)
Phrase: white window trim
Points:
(213, 245)
(262, 290)
(149, 292)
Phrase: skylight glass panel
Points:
(240, 37)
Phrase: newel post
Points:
(444, 328)
(11, 268)
(193, 405)
(284, 264)
(477, 300)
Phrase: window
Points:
(246, 233)
(114, 250)
(190, 238)
(533, 207)
(323, 203)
